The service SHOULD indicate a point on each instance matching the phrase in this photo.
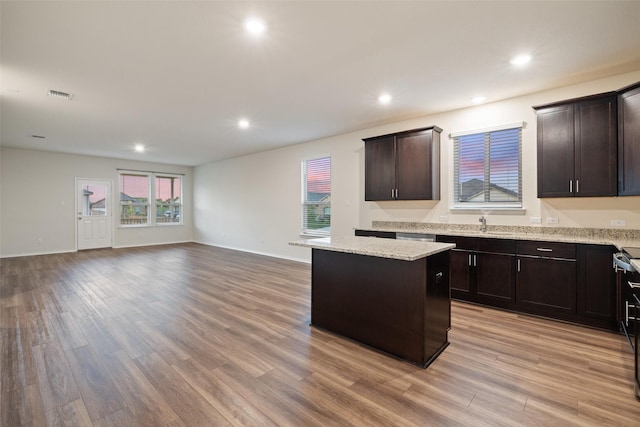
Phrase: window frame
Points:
(306, 231)
(457, 205)
(171, 205)
(152, 208)
(133, 204)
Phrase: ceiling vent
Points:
(60, 94)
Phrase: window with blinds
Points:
(316, 196)
(488, 168)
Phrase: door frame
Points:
(76, 208)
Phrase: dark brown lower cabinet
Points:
(596, 286)
(400, 307)
(460, 264)
(495, 279)
(565, 281)
(482, 270)
(546, 286)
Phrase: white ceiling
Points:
(177, 75)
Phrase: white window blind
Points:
(488, 168)
(316, 196)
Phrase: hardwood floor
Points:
(190, 335)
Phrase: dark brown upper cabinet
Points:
(629, 141)
(577, 147)
(403, 165)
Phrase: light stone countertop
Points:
(405, 250)
(600, 236)
(635, 263)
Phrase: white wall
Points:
(252, 203)
(38, 201)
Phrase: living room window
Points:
(316, 196)
(168, 189)
(139, 189)
(488, 168)
(134, 199)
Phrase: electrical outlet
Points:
(444, 218)
(552, 220)
(619, 222)
(535, 219)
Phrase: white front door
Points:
(93, 201)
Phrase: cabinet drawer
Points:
(373, 233)
(546, 249)
(461, 242)
(497, 246)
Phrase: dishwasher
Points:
(420, 237)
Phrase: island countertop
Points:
(405, 250)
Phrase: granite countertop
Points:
(601, 236)
(635, 263)
(405, 250)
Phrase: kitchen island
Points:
(392, 295)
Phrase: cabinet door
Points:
(379, 169)
(555, 151)
(629, 141)
(417, 165)
(597, 284)
(596, 148)
(460, 274)
(546, 286)
(495, 279)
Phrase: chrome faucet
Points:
(483, 220)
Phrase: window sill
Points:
(485, 210)
(312, 235)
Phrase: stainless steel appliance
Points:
(636, 386)
(628, 292)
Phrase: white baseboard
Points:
(305, 261)
(153, 244)
(36, 254)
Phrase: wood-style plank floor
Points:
(190, 335)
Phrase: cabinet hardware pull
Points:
(518, 265)
(577, 185)
(475, 260)
(634, 285)
(544, 250)
(396, 193)
(626, 313)
(392, 193)
(570, 186)
(469, 260)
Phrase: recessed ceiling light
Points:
(255, 26)
(384, 99)
(243, 123)
(139, 148)
(60, 94)
(478, 99)
(520, 60)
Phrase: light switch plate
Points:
(444, 218)
(535, 219)
(552, 220)
(619, 222)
